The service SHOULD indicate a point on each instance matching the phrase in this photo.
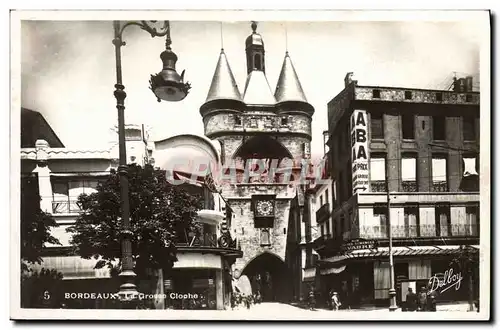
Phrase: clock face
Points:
(265, 208)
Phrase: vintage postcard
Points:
(250, 165)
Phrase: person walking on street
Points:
(431, 301)
(335, 301)
(312, 300)
(422, 300)
(411, 300)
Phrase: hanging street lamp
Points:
(167, 85)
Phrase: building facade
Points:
(406, 161)
(262, 136)
(60, 175)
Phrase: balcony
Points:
(66, 207)
(419, 231)
(323, 213)
(409, 186)
(378, 186)
(439, 186)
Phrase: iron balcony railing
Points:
(439, 186)
(409, 186)
(378, 186)
(65, 206)
(323, 213)
(413, 231)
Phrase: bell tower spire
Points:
(255, 51)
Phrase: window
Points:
(379, 229)
(327, 225)
(326, 196)
(408, 123)
(439, 128)
(439, 177)
(257, 62)
(65, 194)
(376, 93)
(471, 221)
(468, 98)
(469, 128)
(470, 165)
(443, 224)
(439, 97)
(322, 229)
(408, 95)
(237, 120)
(377, 173)
(409, 173)
(284, 121)
(411, 223)
(377, 126)
(321, 200)
(265, 238)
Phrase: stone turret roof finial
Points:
(254, 26)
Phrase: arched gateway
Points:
(267, 275)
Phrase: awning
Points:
(198, 260)
(81, 174)
(73, 267)
(333, 270)
(396, 251)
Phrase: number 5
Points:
(46, 295)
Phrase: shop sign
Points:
(360, 151)
(358, 244)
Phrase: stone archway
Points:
(268, 275)
(262, 146)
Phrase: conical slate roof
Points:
(257, 89)
(289, 87)
(223, 85)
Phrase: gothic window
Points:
(257, 62)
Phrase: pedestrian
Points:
(335, 301)
(312, 300)
(411, 300)
(422, 300)
(431, 301)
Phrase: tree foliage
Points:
(42, 290)
(35, 224)
(161, 215)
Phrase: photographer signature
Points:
(449, 280)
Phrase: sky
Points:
(68, 68)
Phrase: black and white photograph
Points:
(250, 165)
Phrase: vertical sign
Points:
(360, 152)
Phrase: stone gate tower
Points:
(265, 128)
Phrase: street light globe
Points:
(168, 85)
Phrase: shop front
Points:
(363, 277)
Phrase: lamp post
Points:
(392, 291)
(166, 85)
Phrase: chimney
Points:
(349, 79)
(459, 85)
(468, 84)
